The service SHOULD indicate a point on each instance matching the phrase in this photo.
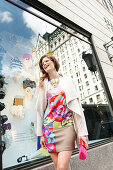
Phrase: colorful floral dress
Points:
(58, 127)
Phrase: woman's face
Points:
(48, 65)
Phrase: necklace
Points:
(54, 82)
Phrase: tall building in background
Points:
(68, 51)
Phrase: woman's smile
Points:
(46, 67)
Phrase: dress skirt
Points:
(58, 128)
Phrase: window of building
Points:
(66, 73)
(59, 40)
(96, 88)
(84, 69)
(91, 100)
(72, 49)
(74, 61)
(92, 73)
(94, 80)
(79, 80)
(81, 95)
(51, 46)
(65, 47)
(88, 91)
(78, 73)
(73, 55)
(83, 47)
(63, 36)
(108, 4)
(70, 71)
(78, 49)
(87, 83)
(70, 44)
(63, 62)
(99, 99)
(105, 99)
(81, 87)
(63, 56)
(55, 43)
(85, 75)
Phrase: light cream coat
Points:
(73, 103)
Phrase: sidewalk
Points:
(99, 158)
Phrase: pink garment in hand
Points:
(82, 150)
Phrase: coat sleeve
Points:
(79, 119)
(80, 125)
(40, 105)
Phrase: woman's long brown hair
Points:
(44, 74)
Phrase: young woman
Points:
(60, 118)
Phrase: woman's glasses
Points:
(45, 62)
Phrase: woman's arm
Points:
(85, 139)
(81, 127)
(42, 142)
(81, 130)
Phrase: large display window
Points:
(24, 38)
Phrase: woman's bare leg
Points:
(63, 160)
(54, 157)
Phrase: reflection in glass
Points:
(49, 43)
(18, 35)
(69, 52)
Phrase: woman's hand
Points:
(42, 142)
(84, 138)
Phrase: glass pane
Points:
(24, 38)
(19, 32)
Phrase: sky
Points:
(19, 32)
(11, 20)
(23, 23)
